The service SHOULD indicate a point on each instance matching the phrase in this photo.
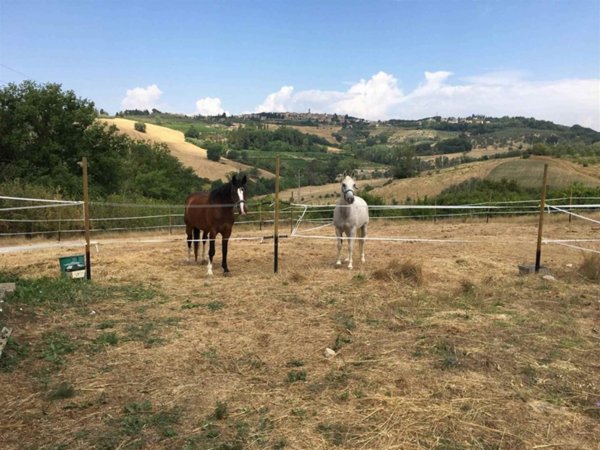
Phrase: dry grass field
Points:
(439, 345)
(528, 171)
(428, 184)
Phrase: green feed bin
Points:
(72, 266)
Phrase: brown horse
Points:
(213, 214)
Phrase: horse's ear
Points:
(233, 180)
(244, 179)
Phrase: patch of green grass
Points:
(337, 377)
(359, 277)
(210, 354)
(61, 391)
(13, 353)
(448, 355)
(570, 342)
(346, 321)
(221, 412)
(145, 332)
(189, 305)
(530, 374)
(341, 340)
(106, 324)
(110, 338)
(448, 444)
(336, 433)
(295, 363)
(56, 345)
(296, 375)
(64, 292)
(215, 305)
(299, 412)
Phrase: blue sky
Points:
(376, 59)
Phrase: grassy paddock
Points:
(437, 345)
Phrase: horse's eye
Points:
(344, 185)
(354, 186)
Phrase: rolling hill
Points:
(528, 172)
(189, 154)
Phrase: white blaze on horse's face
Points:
(348, 188)
(241, 201)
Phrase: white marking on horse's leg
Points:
(203, 251)
(209, 271)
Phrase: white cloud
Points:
(140, 98)
(277, 101)
(210, 106)
(567, 101)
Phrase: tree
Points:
(214, 151)
(406, 164)
(44, 133)
(192, 132)
(41, 130)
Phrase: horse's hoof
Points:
(227, 274)
(338, 263)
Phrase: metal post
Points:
(538, 252)
(60, 222)
(570, 204)
(276, 222)
(86, 218)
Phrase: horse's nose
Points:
(350, 199)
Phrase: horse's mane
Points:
(221, 194)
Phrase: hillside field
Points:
(439, 345)
(189, 154)
(528, 172)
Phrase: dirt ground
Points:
(459, 351)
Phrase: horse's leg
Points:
(196, 239)
(204, 238)
(211, 251)
(224, 245)
(351, 237)
(363, 237)
(188, 232)
(338, 233)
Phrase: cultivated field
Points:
(439, 345)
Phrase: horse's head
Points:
(238, 191)
(348, 188)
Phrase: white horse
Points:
(351, 213)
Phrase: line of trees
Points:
(45, 132)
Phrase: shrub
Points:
(192, 132)
(214, 151)
(140, 126)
